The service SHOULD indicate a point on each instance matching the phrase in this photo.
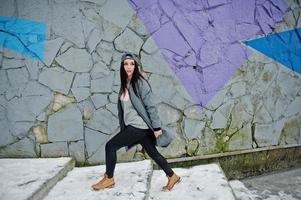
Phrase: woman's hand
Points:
(157, 133)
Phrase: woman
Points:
(139, 123)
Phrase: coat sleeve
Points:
(148, 100)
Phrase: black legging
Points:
(129, 135)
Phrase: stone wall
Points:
(218, 94)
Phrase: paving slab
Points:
(131, 182)
(202, 182)
(278, 185)
(31, 178)
(40, 179)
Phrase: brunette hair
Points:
(136, 74)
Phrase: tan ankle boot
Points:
(105, 182)
(172, 181)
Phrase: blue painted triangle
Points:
(24, 36)
(284, 47)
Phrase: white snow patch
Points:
(20, 178)
(198, 182)
(131, 181)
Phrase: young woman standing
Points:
(139, 123)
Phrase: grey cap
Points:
(130, 56)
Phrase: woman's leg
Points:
(148, 144)
(129, 135)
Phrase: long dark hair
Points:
(136, 75)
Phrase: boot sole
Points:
(110, 186)
(177, 182)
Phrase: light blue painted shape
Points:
(24, 36)
(284, 47)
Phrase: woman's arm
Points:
(148, 99)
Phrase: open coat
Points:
(145, 106)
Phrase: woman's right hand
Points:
(157, 133)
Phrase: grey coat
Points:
(145, 106)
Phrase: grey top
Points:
(130, 115)
(146, 106)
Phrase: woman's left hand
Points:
(157, 133)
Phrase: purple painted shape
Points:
(150, 14)
(239, 8)
(201, 39)
(213, 3)
(191, 5)
(164, 38)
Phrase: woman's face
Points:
(129, 66)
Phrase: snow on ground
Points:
(241, 192)
(131, 181)
(280, 185)
(20, 178)
(199, 182)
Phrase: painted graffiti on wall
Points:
(24, 36)
(201, 40)
(225, 74)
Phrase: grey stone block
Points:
(95, 145)
(242, 139)
(34, 88)
(137, 25)
(81, 93)
(20, 128)
(195, 112)
(94, 39)
(7, 9)
(4, 84)
(121, 15)
(56, 149)
(65, 125)
(18, 77)
(294, 107)
(76, 60)
(102, 84)
(51, 49)
(71, 26)
(150, 46)
(268, 134)
(8, 63)
(290, 133)
(105, 50)
(128, 41)
(32, 67)
(103, 121)
(193, 128)
(77, 150)
(168, 114)
(99, 2)
(81, 80)
(162, 93)
(112, 107)
(99, 70)
(2, 112)
(5, 136)
(151, 63)
(99, 100)
(24, 148)
(26, 108)
(57, 79)
(221, 115)
(113, 97)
